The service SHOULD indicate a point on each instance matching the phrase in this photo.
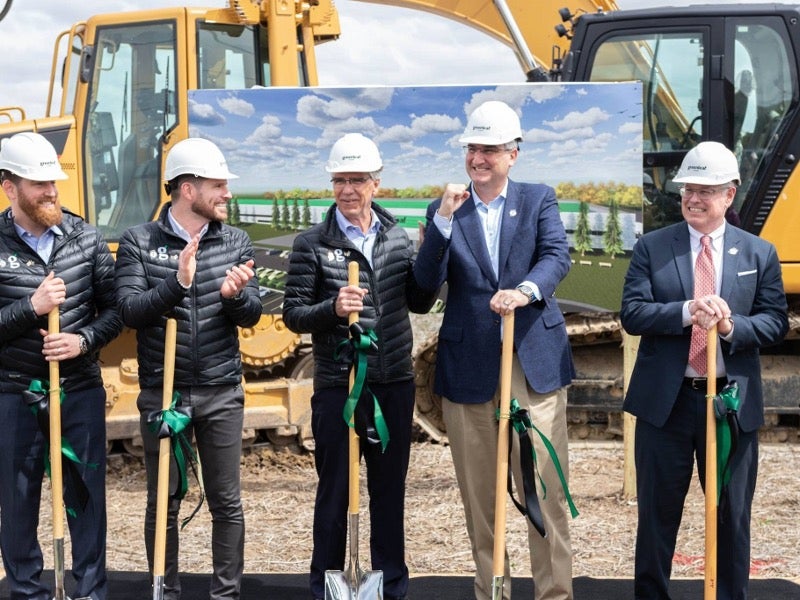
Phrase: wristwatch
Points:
(83, 346)
(528, 291)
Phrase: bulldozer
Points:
(118, 100)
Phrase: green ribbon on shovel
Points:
(360, 342)
(521, 421)
(172, 423)
(37, 397)
(726, 407)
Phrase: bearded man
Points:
(51, 259)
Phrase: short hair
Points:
(173, 187)
(6, 175)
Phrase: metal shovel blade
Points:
(353, 584)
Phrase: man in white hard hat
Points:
(189, 265)
(683, 280)
(319, 301)
(501, 247)
(51, 259)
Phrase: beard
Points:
(43, 214)
(211, 212)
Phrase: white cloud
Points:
(237, 106)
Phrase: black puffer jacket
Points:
(148, 293)
(81, 258)
(318, 268)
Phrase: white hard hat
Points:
(354, 153)
(196, 156)
(492, 123)
(709, 163)
(30, 156)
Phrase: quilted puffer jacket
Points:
(148, 293)
(318, 268)
(82, 259)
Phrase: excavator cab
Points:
(136, 73)
(707, 74)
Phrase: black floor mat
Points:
(278, 586)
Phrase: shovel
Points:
(56, 475)
(162, 491)
(498, 558)
(353, 584)
(710, 583)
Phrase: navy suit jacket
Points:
(660, 279)
(533, 247)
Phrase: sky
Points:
(416, 48)
(279, 138)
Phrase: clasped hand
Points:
(711, 310)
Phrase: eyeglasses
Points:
(490, 151)
(703, 193)
(354, 181)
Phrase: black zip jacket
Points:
(82, 259)
(148, 293)
(318, 268)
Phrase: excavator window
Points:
(231, 56)
(133, 103)
(749, 72)
(671, 67)
(763, 92)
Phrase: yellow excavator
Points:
(118, 101)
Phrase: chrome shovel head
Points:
(342, 585)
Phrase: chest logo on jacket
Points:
(162, 253)
(338, 255)
(12, 262)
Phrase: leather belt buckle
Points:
(699, 383)
(696, 383)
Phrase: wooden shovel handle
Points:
(56, 475)
(498, 558)
(162, 491)
(354, 497)
(710, 583)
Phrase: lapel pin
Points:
(733, 251)
(512, 212)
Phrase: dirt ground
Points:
(278, 492)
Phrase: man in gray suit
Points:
(501, 247)
(667, 389)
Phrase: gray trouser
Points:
(217, 417)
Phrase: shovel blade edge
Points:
(338, 586)
(371, 586)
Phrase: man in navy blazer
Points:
(667, 395)
(500, 246)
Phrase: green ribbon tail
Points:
(521, 425)
(360, 345)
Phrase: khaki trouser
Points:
(472, 431)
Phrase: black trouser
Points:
(22, 451)
(386, 481)
(217, 417)
(664, 465)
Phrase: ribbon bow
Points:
(521, 422)
(37, 397)
(172, 423)
(366, 418)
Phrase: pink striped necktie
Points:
(703, 286)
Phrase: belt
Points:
(701, 383)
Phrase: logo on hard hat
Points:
(481, 128)
(696, 168)
(351, 157)
(47, 163)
